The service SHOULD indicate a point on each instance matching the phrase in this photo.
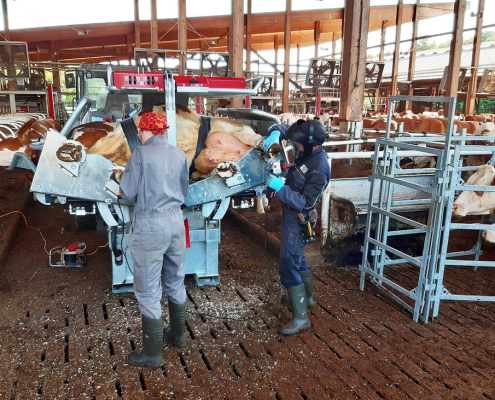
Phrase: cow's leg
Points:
(261, 204)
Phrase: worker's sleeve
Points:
(313, 190)
(291, 198)
(280, 128)
(185, 177)
(129, 183)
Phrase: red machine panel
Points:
(142, 80)
(210, 82)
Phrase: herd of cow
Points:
(230, 140)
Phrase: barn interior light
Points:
(214, 42)
(82, 33)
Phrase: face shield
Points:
(292, 152)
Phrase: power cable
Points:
(41, 234)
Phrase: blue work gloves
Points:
(274, 182)
(274, 138)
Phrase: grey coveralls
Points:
(156, 179)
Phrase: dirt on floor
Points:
(65, 335)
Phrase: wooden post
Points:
(182, 37)
(334, 45)
(56, 72)
(475, 61)
(11, 83)
(129, 44)
(298, 60)
(275, 47)
(455, 51)
(237, 45)
(137, 26)
(381, 57)
(412, 54)
(249, 29)
(287, 32)
(154, 25)
(6, 30)
(395, 65)
(355, 39)
(277, 69)
(317, 36)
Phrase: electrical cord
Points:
(122, 239)
(44, 240)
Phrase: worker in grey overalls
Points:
(300, 194)
(156, 179)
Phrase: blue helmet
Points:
(309, 133)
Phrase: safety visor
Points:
(293, 144)
(293, 151)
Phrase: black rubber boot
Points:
(300, 321)
(175, 334)
(151, 354)
(307, 278)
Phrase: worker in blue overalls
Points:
(305, 183)
(156, 180)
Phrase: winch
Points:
(73, 256)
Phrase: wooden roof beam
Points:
(125, 28)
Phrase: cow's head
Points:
(469, 202)
(489, 236)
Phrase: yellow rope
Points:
(44, 240)
(105, 245)
(29, 226)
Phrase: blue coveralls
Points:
(157, 180)
(305, 183)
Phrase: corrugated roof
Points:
(431, 63)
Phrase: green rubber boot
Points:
(151, 354)
(298, 302)
(175, 334)
(307, 278)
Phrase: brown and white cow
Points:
(475, 202)
(480, 118)
(430, 125)
(290, 118)
(227, 140)
(32, 129)
(485, 129)
(230, 140)
(489, 235)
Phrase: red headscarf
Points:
(156, 123)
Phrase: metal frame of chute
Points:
(90, 180)
(456, 184)
(387, 174)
